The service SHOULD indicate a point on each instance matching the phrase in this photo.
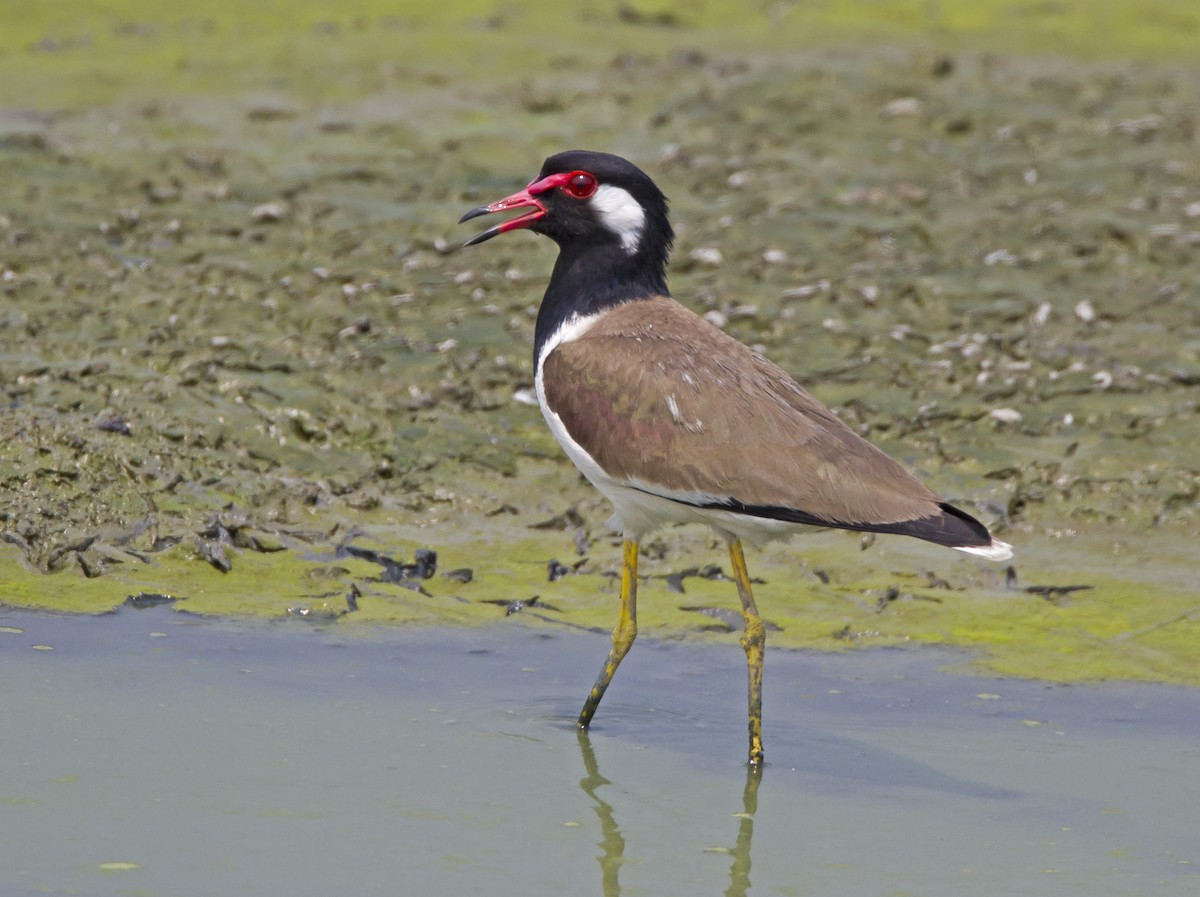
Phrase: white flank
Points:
(621, 214)
(571, 329)
(997, 551)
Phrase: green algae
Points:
(230, 302)
(73, 55)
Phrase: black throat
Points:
(592, 276)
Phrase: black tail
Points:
(952, 527)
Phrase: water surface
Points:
(154, 753)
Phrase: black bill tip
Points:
(474, 213)
(479, 238)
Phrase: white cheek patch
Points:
(621, 214)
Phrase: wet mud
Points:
(246, 369)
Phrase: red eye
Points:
(581, 185)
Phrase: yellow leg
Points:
(754, 640)
(623, 635)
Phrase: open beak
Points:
(523, 199)
(527, 198)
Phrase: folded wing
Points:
(658, 396)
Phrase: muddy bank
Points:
(238, 341)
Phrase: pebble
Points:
(717, 318)
(362, 325)
(1085, 311)
(707, 255)
(1006, 415)
(268, 213)
(902, 106)
(807, 290)
(1141, 127)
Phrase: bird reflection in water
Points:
(612, 842)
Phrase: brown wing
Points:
(657, 394)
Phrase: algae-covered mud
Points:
(247, 370)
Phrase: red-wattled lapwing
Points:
(677, 422)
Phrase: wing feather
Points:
(659, 396)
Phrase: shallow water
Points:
(217, 757)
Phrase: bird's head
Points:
(580, 198)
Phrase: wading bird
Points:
(674, 420)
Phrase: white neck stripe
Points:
(621, 214)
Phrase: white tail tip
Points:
(997, 551)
